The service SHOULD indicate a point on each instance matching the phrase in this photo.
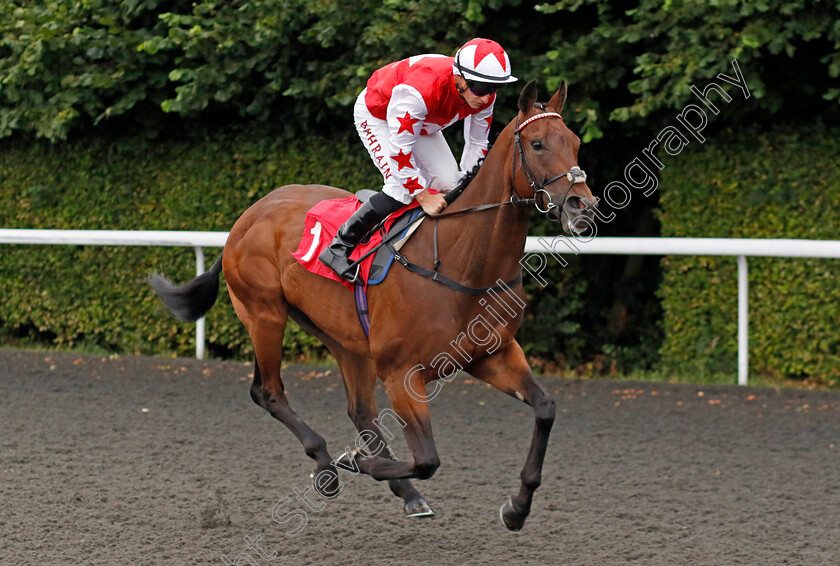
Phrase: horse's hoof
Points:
(326, 489)
(418, 508)
(511, 518)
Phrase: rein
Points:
(574, 175)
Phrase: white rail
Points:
(738, 247)
(196, 240)
(557, 246)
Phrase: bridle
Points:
(574, 175)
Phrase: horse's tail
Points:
(190, 301)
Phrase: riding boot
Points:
(337, 255)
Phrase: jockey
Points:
(399, 117)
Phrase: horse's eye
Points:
(536, 144)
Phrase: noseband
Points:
(574, 175)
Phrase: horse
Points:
(415, 322)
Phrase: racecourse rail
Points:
(741, 248)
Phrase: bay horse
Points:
(413, 320)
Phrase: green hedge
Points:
(96, 297)
(768, 186)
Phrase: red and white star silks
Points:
(402, 160)
(400, 115)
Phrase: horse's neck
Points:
(489, 242)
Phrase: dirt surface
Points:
(167, 461)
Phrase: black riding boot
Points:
(337, 255)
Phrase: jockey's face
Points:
(474, 100)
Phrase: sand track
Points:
(167, 461)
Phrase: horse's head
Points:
(546, 152)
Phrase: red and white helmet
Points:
(483, 60)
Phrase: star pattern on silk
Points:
(489, 120)
(407, 123)
(413, 185)
(403, 160)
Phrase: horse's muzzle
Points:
(574, 208)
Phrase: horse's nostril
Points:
(575, 203)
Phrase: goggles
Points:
(482, 89)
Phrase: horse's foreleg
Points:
(359, 380)
(508, 371)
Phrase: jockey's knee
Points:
(385, 204)
(448, 181)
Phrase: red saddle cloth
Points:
(322, 223)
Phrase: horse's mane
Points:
(463, 182)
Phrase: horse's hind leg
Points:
(413, 416)
(359, 380)
(266, 327)
(508, 371)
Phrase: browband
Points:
(537, 117)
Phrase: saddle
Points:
(323, 221)
(403, 227)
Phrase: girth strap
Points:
(362, 311)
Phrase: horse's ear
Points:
(559, 99)
(528, 97)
